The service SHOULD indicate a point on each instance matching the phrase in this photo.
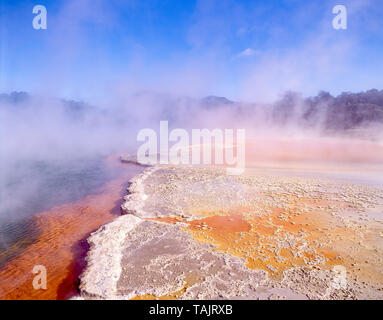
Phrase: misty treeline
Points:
(345, 111)
(38, 127)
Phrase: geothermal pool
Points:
(56, 237)
(277, 231)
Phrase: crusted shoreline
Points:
(99, 279)
(168, 244)
(134, 201)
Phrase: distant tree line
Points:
(345, 111)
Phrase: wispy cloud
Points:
(247, 53)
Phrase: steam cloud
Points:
(42, 135)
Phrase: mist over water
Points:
(52, 152)
(34, 186)
(52, 149)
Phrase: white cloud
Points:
(247, 53)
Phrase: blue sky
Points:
(244, 50)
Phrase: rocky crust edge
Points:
(100, 277)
